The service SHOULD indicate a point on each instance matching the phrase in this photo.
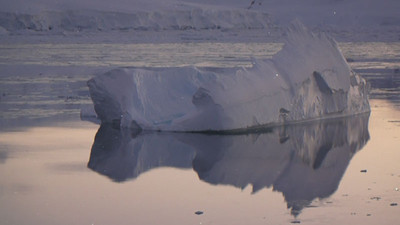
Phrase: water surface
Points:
(57, 169)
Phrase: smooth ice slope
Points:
(308, 79)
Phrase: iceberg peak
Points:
(308, 79)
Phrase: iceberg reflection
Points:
(302, 161)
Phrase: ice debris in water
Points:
(199, 212)
(314, 81)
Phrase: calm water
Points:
(57, 169)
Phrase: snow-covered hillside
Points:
(89, 20)
(348, 20)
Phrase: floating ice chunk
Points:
(308, 79)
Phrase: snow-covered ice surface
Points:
(187, 20)
(308, 79)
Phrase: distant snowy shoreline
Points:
(275, 34)
(156, 21)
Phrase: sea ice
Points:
(308, 79)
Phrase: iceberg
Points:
(308, 79)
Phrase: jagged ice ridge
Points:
(308, 79)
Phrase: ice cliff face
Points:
(347, 20)
(171, 19)
(308, 79)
